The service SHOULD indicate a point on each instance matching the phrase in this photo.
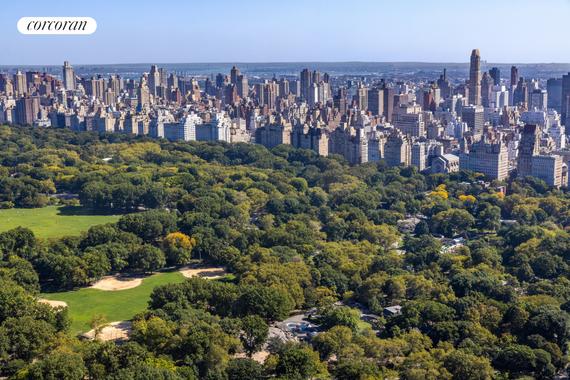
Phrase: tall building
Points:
(475, 78)
(538, 99)
(306, 81)
(274, 134)
(565, 98)
(495, 73)
(376, 101)
(488, 158)
(234, 74)
(554, 89)
(242, 86)
(514, 76)
(362, 97)
(143, 94)
(25, 111)
(309, 137)
(397, 150)
(20, 85)
(474, 116)
(409, 119)
(388, 102)
(550, 169)
(529, 146)
(153, 79)
(520, 93)
(184, 130)
(486, 89)
(419, 155)
(444, 84)
(68, 76)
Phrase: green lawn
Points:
(117, 305)
(52, 221)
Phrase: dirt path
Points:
(113, 331)
(211, 273)
(114, 283)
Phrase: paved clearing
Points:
(211, 273)
(53, 303)
(114, 283)
(113, 331)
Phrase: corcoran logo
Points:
(57, 25)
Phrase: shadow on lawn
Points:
(80, 210)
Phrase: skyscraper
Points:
(306, 80)
(24, 111)
(234, 74)
(474, 116)
(486, 87)
(514, 76)
(565, 97)
(495, 73)
(20, 83)
(529, 146)
(376, 101)
(554, 89)
(475, 78)
(68, 76)
(153, 79)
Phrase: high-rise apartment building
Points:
(565, 98)
(475, 78)
(495, 73)
(153, 79)
(474, 116)
(514, 76)
(554, 89)
(529, 146)
(490, 158)
(68, 76)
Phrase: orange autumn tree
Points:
(178, 248)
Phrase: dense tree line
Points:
(298, 231)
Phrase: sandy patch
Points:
(53, 303)
(259, 356)
(211, 273)
(113, 283)
(112, 331)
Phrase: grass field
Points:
(52, 221)
(118, 305)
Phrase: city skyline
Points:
(368, 31)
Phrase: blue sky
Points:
(293, 30)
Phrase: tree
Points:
(148, 225)
(332, 341)
(178, 248)
(297, 361)
(26, 337)
(516, 359)
(239, 369)
(58, 365)
(341, 316)
(97, 324)
(452, 222)
(466, 366)
(97, 263)
(254, 333)
(270, 303)
(146, 258)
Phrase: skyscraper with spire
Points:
(475, 78)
